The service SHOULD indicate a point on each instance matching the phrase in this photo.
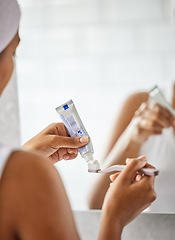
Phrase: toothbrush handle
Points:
(119, 168)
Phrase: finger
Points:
(149, 125)
(61, 152)
(72, 150)
(114, 176)
(160, 111)
(138, 178)
(69, 156)
(145, 134)
(150, 178)
(147, 181)
(141, 109)
(147, 165)
(135, 177)
(70, 142)
(57, 129)
(130, 159)
(132, 168)
(157, 117)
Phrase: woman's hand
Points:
(55, 142)
(128, 195)
(149, 119)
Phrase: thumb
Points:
(70, 142)
(133, 165)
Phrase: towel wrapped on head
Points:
(9, 21)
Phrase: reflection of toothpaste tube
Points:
(157, 96)
(75, 127)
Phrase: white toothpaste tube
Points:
(157, 96)
(75, 127)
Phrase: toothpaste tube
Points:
(75, 127)
(157, 96)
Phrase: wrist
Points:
(133, 136)
(110, 227)
(30, 146)
(134, 144)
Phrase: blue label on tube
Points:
(65, 107)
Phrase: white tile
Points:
(48, 15)
(166, 8)
(155, 38)
(47, 42)
(169, 67)
(126, 10)
(131, 70)
(109, 39)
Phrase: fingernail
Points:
(127, 160)
(138, 178)
(70, 151)
(75, 151)
(84, 139)
(66, 157)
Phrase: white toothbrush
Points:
(119, 168)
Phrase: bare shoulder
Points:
(23, 165)
(31, 190)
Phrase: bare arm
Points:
(118, 148)
(33, 202)
(123, 118)
(133, 127)
(34, 205)
(126, 198)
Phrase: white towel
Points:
(5, 153)
(9, 21)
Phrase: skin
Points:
(33, 201)
(117, 213)
(6, 62)
(137, 121)
(55, 142)
(34, 204)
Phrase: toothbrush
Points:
(119, 168)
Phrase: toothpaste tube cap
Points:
(93, 166)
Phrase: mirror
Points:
(96, 53)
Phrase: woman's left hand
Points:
(55, 142)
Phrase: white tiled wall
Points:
(95, 52)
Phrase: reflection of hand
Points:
(127, 196)
(149, 119)
(55, 142)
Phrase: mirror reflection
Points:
(106, 56)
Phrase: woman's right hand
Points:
(128, 195)
(149, 119)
